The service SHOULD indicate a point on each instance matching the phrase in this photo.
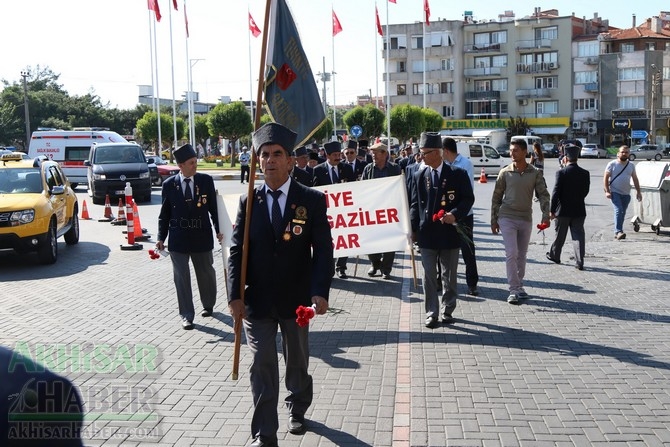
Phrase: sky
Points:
(103, 46)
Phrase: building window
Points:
(586, 104)
(587, 49)
(550, 32)
(402, 66)
(499, 85)
(483, 86)
(546, 82)
(446, 64)
(499, 61)
(446, 87)
(665, 102)
(546, 107)
(417, 89)
(447, 111)
(627, 47)
(586, 77)
(417, 66)
(397, 42)
(631, 102)
(417, 42)
(631, 74)
(401, 89)
(651, 46)
(503, 106)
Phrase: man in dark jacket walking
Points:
(568, 207)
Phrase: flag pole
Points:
(424, 64)
(157, 97)
(237, 326)
(332, 16)
(388, 93)
(376, 59)
(251, 76)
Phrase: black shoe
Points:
(552, 259)
(431, 322)
(296, 424)
(342, 274)
(579, 267)
(386, 275)
(260, 442)
(474, 291)
(447, 319)
(372, 272)
(187, 325)
(207, 312)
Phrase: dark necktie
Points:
(276, 213)
(188, 195)
(336, 178)
(432, 193)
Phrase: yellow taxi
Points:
(37, 206)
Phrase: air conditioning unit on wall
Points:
(593, 130)
(576, 125)
(592, 127)
(523, 102)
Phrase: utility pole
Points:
(655, 82)
(24, 75)
(325, 77)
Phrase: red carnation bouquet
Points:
(542, 226)
(459, 229)
(305, 314)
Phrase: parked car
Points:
(38, 206)
(503, 150)
(165, 170)
(591, 150)
(550, 150)
(646, 151)
(571, 143)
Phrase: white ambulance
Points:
(70, 148)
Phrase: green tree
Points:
(325, 131)
(147, 129)
(201, 129)
(370, 118)
(407, 121)
(230, 121)
(434, 120)
(517, 126)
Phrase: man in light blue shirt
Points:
(452, 157)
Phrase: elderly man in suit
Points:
(300, 172)
(568, 207)
(288, 232)
(351, 158)
(188, 205)
(330, 172)
(441, 198)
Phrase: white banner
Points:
(368, 216)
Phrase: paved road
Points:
(584, 361)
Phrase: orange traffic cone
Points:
(482, 177)
(108, 217)
(84, 212)
(140, 233)
(121, 216)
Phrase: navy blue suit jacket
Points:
(188, 227)
(454, 194)
(322, 174)
(302, 176)
(283, 273)
(571, 188)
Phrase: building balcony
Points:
(485, 95)
(538, 67)
(482, 48)
(538, 44)
(484, 71)
(591, 87)
(592, 60)
(533, 93)
(396, 76)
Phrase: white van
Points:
(481, 156)
(529, 139)
(70, 148)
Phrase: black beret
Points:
(351, 144)
(299, 152)
(362, 143)
(274, 133)
(332, 147)
(314, 156)
(430, 140)
(572, 152)
(183, 153)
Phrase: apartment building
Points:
(567, 76)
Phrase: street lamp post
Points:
(655, 82)
(191, 105)
(24, 75)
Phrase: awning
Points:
(548, 130)
(457, 132)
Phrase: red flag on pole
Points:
(174, 3)
(337, 27)
(426, 8)
(186, 20)
(255, 30)
(153, 6)
(379, 24)
(392, 1)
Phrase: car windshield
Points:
(20, 181)
(116, 154)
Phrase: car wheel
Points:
(48, 253)
(72, 235)
(631, 157)
(657, 157)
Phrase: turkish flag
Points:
(255, 30)
(426, 8)
(379, 24)
(153, 6)
(186, 20)
(174, 3)
(337, 27)
(392, 1)
(285, 77)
